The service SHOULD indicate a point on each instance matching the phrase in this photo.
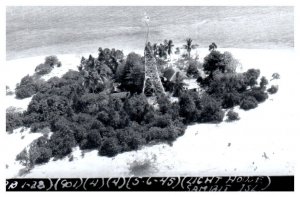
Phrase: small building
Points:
(115, 87)
(120, 95)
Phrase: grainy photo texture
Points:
(147, 98)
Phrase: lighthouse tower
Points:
(152, 83)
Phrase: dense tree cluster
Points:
(201, 109)
(79, 115)
(110, 125)
(28, 86)
(229, 87)
(217, 61)
(37, 153)
(131, 74)
(81, 108)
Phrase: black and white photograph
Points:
(193, 98)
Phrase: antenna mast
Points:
(152, 83)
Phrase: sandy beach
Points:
(262, 142)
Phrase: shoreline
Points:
(73, 59)
(141, 52)
(270, 128)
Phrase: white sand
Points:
(263, 142)
(16, 142)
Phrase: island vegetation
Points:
(101, 104)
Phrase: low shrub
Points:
(161, 121)
(192, 70)
(51, 60)
(39, 151)
(28, 86)
(259, 94)
(231, 99)
(43, 69)
(224, 84)
(232, 116)
(14, 120)
(263, 82)
(273, 89)
(37, 126)
(251, 76)
(164, 104)
(110, 147)
(92, 140)
(23, 157)
(187, 107)
(275, 76)
(158, 134)
(196, 108)
(131, 138)
(249, 102)
(136, 107)
(62, 140)
(211, 110)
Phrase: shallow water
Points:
(34, 31)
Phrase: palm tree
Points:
(189, 46)
(178, 85)
(162, 51)
(170, 45)
(212, 46)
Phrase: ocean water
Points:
(34, 31)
